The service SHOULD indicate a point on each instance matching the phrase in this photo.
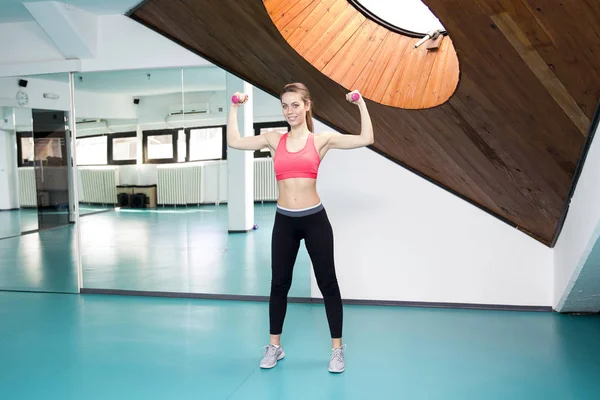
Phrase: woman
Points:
(300, 214)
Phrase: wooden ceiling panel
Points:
(509, 137)
(354, 44)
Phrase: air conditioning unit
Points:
(192, 108)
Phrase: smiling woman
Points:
(349, 44)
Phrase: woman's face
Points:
(294, 109)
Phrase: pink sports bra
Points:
(301, 164)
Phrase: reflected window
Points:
(26, 144)
(264, 127)
(92, 150)
(47, 149)
(206, 143)
(161, 146)
(123, 148)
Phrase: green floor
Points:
(111, 347)
(184, 249)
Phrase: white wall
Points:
(580, 230)
(125, 44)
(26, 42)
(399, 237)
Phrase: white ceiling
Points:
(15, 11)
(137, 82)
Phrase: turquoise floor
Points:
(110, 347)
(45, 260)
(184, 249)
(15, 222)
(41, 261)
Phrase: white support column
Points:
(9, 180)
(240, 164)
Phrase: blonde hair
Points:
(302, 90)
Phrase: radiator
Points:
(194, 178)
(171, 185)
(265, 185)
(206, 183)
(27, 187)
(98, 185)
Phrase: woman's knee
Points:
(329, 287)
(280, 286)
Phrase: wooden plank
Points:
(307, 25)
(581, 38)
(278, 8)
(360, 61)
(318, 35)
(294, 16)
(352, 51)
(406, 65)
(379, 86)
(351, 44)
(416, 82)
(346, 34)
(537, 65)
(381, 64)
(432, 92)
(374, 66)
(311, 50)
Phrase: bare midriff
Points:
(297, 193)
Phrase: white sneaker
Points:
(272, 354)
(336, 362)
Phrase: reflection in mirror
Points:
(18, 212)
(38, 231)
(159, 175)
(221, 262)
(125, 131)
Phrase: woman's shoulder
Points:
(273, 137)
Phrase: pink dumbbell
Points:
(235, 99)
(355, 96)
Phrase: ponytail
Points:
(302, 90)
(309, 119)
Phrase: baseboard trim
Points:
(311, 300)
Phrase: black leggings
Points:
(290, 228)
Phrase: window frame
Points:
(20, 135)
(107, 151)
(110, 147)
(223, 142)
(261, 125)
(161, 132)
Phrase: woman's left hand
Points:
(354, 97)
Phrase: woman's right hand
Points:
(240, 97)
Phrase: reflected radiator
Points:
(98, 186)
(27, 188)
(175, 185)
(206, 183)
(265, 185)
